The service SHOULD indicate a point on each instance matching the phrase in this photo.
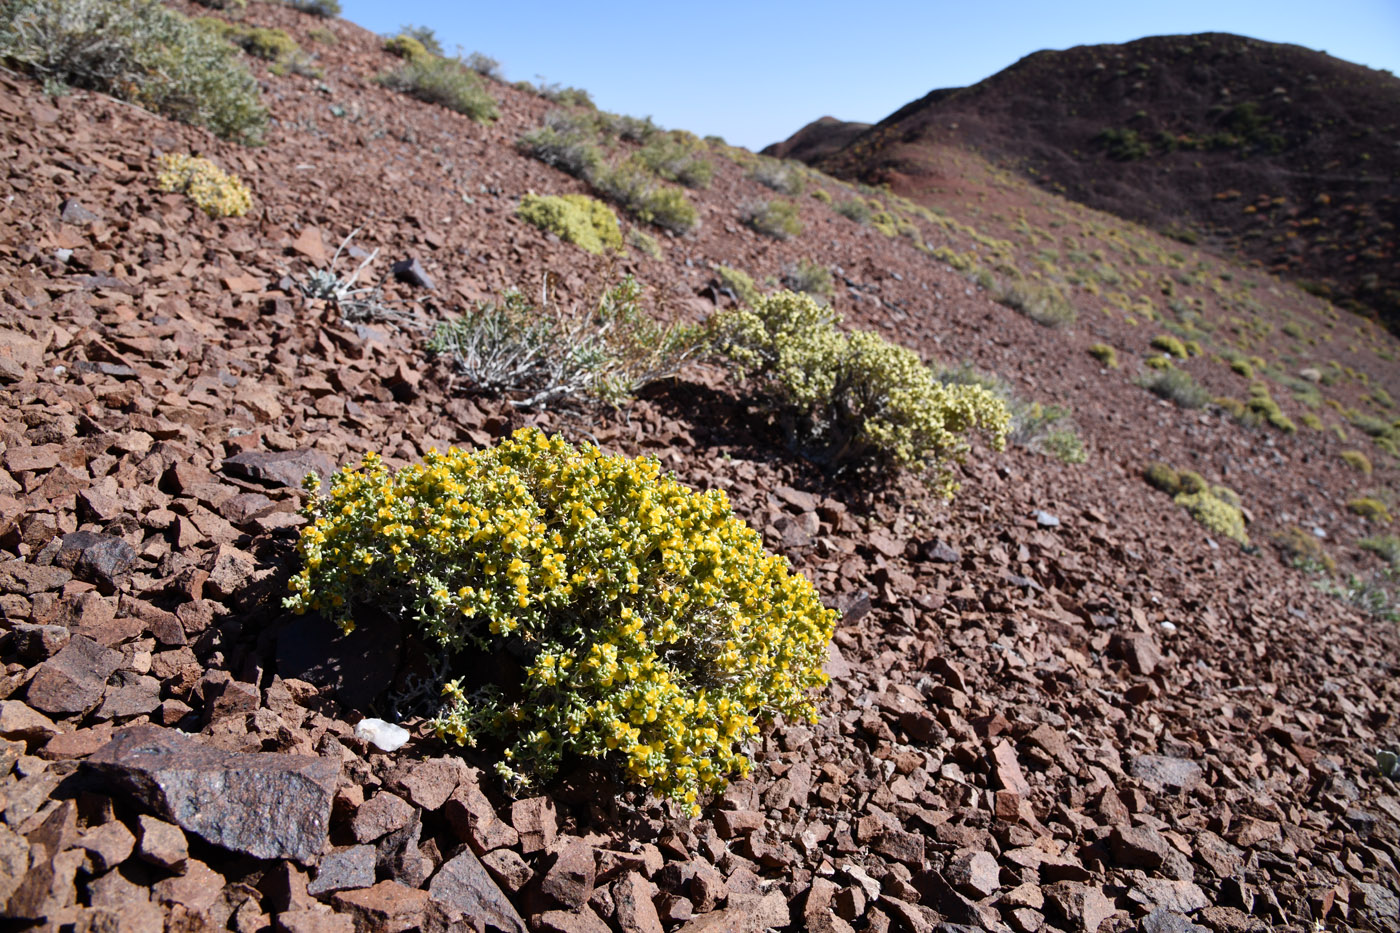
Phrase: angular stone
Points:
(162, 844)
(975, 874)
(817, 913)
(731, 823)
(388, 907)
(428, 783)
(20, 721)
(411, 272)
(108, 845)
(358, 666)
(14, 861)
(900, 846)
(568, 921)
(1184, 897)
(100, 559)
(34, 643)
(1008, 769)
(74, 680)
(1164, 773)
(231, 571)
(633, 909)
(1138, 847)
(569, 881)
(1083, 907)
(463, 883)
(475, 822)
(381, 814)
(536, 821)
(279, 468)
(342, 870)
(508, 868)
(314, 921)
(1139, 650)
(1162, 920)
(263, 804)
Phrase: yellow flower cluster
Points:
(213, 191)
(861, 397)
(654, 625)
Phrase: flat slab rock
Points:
(262, 804)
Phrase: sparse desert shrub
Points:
(567, 96)
(633, 129)
(855, 398)
(484, 65)
(1047, 429)
(406, 47)
(575, 218)
(1370, 508)
(740, 283)
(1311, 421)
(269, 44)
(1242, 367)
(544, 356)
(777, 218)
(1232, 407)
(424, 36)
(1161, 476)
(1387, 547)
(444, 81)
(1044, 306)
(1191, 482)
(1294, 330)
(782, 177)
(1176, 386)
(565, 142)
(232, 6)
(853, 209)
(808, 277)
(1357, 461)
(138, 50)
(1105, 354)
(212, 190)
(648, 623)
(676, 157)
(634, 188)
(322, 35)
(1215, 513)
(326, 8)
(822, 195)
(644, 242)
(1302, 550)
(1263, 406)
(1170, 345)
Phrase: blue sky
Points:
(755, 72)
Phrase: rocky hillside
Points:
(1057, 702)
(1277, 154)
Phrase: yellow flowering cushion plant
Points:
(212, 190)
(652, 625)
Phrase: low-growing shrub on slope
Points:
(650, 625)
(855, 398)
(138, 50)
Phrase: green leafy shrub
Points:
(1357, 461)
(777, 218)
(808, 277)
(1176, 386)
(645, 242)
(1105, 354)
(214, 192)
(855, 398)
(740, 283)
(541, 356)
(137, 50)
(649, 624)
(667, 208)
(1371, 509)
(575, 218)
(424, 36)
(782, 177)
(326, 8)
(444, 81)
(269, 44)
(1170, 345)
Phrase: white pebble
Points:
(384, 736)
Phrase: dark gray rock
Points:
(74, 213)
(279, 468)
(343, 870)
(263, 804)
(1165, 773)
(103, 560)
(1162, 920)
(462, 883)
(411, 272)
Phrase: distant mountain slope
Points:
(1285, 155)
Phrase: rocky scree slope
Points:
(1055, 703)
(1275, 153)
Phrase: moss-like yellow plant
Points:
(212, 190)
